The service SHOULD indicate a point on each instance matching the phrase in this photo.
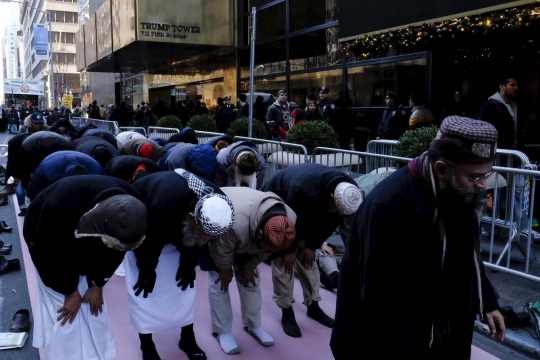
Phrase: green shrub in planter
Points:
(203, 123)
(414, 143)
(170, 121)
(313, 134)
(240, 127)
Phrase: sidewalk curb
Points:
(514, 340)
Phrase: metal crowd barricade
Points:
(514, 216)
(162, 132)
(518, 227)
(77, 121)
(278, 155)
(3, 155)
(381, 147)
(136, 129)
(351, 162)
(515, 227)
(204, 136)
(111, 126)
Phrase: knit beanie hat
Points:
(145, 150)
(465, 140)
(120, 221)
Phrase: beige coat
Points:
(249, 208)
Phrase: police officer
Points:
(226, 115)
(393, 122)
(327, 107)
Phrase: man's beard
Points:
(452, 193)
(188, 236)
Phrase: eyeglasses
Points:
(474, 180)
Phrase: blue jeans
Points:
(13, 128)
(21, 196)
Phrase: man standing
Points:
(243, 106)
(393, 122)
(263, 225)
(327, 107)
(427, 257)
(184, 212)
(225, 115)
(319, 196)
(279, 115)
(101, 218)
(501, 112)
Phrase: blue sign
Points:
(41, 42)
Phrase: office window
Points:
(315, 49)
(70, 59)
(69, 18)
(367, 85)
(271, 22)
(70, 38)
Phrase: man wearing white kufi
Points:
(184, 213)
(320, 196)
(102, 218)
(240, 164)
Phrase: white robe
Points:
(87, 338)
(167, 307)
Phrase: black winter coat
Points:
(305, 188)
(168, 200)
(393, 123)
(50, 224)
(14, 160)
(391, 277)
(124, 166)
(498, 115)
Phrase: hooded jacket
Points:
(124, 166)
(127, 135)
(213, 141)
(496, 112)
(250, 207)
(37, 147)
(226, 160)
(306, 188)
(59, 165)
(186, 135)
(130, 147)
(58, 256)
(175, 157)
(104, 134)
(99, 149)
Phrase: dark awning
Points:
(164, 58)
(359, 18)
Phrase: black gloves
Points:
(185, 276)
(146, 282)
